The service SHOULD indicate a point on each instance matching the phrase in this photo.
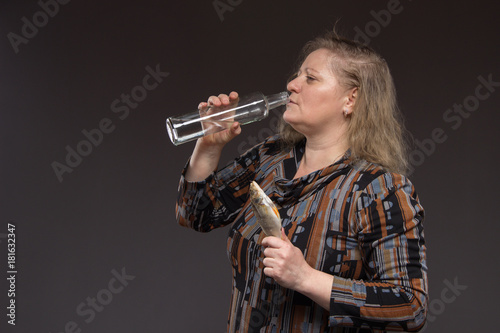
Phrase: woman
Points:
(352, 255)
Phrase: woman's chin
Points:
(293, 122)
(288, 118)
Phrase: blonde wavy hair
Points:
(375, 131)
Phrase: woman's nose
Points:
(293, 86)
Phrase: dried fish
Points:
(265, 211)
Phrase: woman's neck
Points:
(319, 154)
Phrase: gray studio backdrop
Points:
(89, 177)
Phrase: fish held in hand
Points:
(265, 211)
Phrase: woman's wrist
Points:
(317, 286)
(203, 162)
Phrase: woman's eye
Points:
(310, 78)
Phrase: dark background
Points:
(115, 210)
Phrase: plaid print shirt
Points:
(352, 220)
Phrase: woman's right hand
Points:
(220, 139)
(208, 149)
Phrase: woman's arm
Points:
(215, 200)
(391, 240)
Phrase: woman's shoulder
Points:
(374, 178)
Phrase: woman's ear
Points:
(351, 97)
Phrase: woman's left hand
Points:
(285, 262)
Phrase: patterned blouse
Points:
(352, 220)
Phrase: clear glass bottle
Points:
(209, 120)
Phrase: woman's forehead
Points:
(319, 61)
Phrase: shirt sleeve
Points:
(391, 239)
(215, 201)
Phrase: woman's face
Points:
(317, 101)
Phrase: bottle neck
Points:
(275, 100)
